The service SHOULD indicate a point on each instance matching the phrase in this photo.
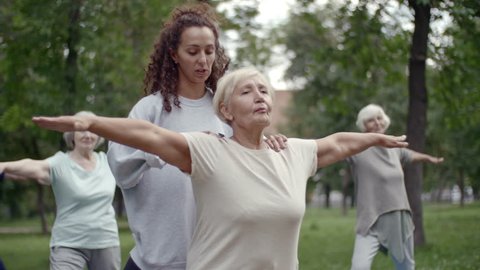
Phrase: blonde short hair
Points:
(227, 84)
(69, 135)
(369, 112)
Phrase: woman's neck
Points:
(252, 140)
(82, 154)
(191, 90)
(84, 157)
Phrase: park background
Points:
(418, 59)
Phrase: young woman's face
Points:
(195, 54)
(375, 124)
(249, 105)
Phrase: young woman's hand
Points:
(276, 142)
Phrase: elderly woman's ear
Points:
(226, 114)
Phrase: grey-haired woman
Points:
(383, 213)
(85, 231)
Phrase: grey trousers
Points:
(366, 247)
(65, 258)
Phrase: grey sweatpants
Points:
(65, 258)
(366, 247)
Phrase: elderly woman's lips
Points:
(261, 110)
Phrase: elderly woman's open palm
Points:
(63, 123)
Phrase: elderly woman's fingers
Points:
(394, 141)
(400, 141)
(62, 123)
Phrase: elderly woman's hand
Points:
(436, 160)
(276, 142)
(392, 141)
(64, 123)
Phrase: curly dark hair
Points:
(162, 73)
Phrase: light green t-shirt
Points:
(85, 215)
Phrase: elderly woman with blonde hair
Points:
(250, 200)
(85, 231)
(384, 219)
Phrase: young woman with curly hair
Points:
(179, 84)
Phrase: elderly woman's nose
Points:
(89, 134)
(259, 96)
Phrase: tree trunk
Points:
(347, 183)
(461, 187)
(327, 188)
(40, 191)
(71, 66)
(417, 116)
(345, 180)
(41, 209)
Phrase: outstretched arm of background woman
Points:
(417, 156)
(341, 145)
(26, 169)
(170, 146)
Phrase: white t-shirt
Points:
(85, 215)
(250, 203)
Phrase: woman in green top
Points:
(85, 231)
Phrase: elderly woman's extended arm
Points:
(26, 169)
(168, 145)
(417, 156)
(341, 145)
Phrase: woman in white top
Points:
(85, 230)
(250, 200)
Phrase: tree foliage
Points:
(63, 56)
(456, 87)
(60, 57)
(348, 58)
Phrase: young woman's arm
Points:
(170, 146)
(341, 145)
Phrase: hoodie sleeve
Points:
(129, 164)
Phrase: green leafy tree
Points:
(342, 72)
(59, 57)
(456, 88)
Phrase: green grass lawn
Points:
(452, 233)
(326, 241)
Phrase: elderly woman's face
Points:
(375, 124)
(85, 140)
(250, 104)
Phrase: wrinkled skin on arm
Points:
(341, 145)
(170, 146)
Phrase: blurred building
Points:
(282, 103)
